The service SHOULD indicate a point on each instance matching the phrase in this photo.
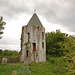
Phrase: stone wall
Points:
(10, 60)
(33, 35)
(13, 60)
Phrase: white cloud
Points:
(12, 32)
(9, 47)
(54, 14)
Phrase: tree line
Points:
(60, 44)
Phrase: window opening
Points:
(27, 53)
(28, 37)
(43, 45)
(42, 35)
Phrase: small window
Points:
(38, 27)
(27, 53)
(43, 45)
(42, 35)
(28, 37)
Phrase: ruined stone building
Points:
(33, 44)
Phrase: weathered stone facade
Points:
(33, 44)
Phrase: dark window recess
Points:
(43, 45)
(42, 35)
(38, 27)
(27, 53)
(34, 47)
(28, 37)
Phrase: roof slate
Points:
(34, 21)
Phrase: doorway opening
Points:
(34, 47)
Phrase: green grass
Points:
(55, 66)
(18, 67)
(41, 68)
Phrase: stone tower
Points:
(33, 44)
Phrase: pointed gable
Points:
(34, 21)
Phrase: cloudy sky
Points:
(54, 14)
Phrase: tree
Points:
(59, 44)
(52, 42)
(2, 23)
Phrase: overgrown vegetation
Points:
(18, 67)
(60, 49)
(12, 54)
(54, 66)
(62, 66)
(60, 44)
(2, 23)
(27, 43)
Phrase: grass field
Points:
(54, 66)
(41, 69)
(18, 67)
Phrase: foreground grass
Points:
(18, 67)
(55, 66)
(41, 69)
